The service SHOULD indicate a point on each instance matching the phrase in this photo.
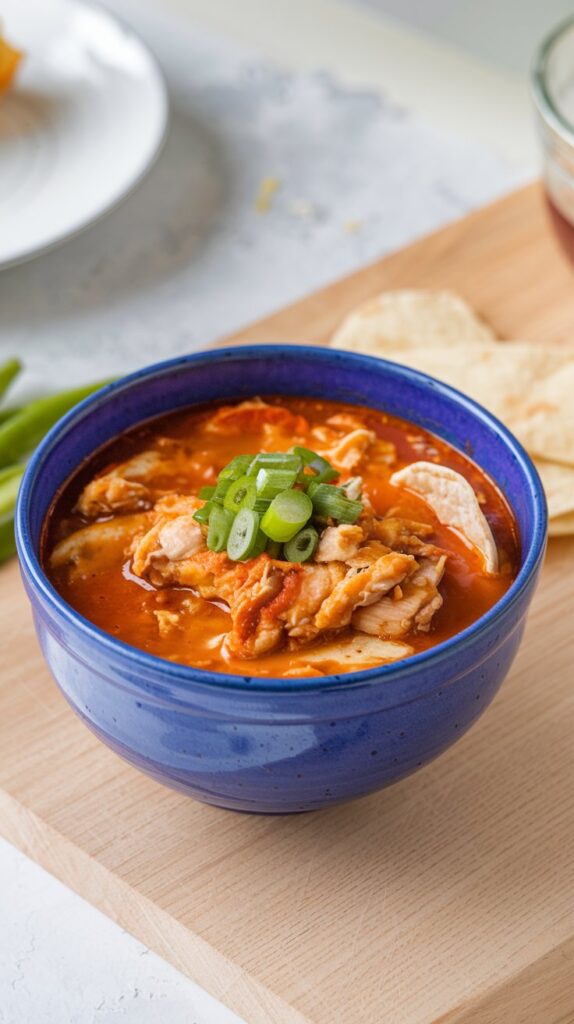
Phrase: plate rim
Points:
(149, 162)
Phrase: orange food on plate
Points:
(9, 61)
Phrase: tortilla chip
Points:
(561, 526)
(406, 319)
(359, 650)
(527, 386)
(454, 503)
(544, 422)
(558, 483)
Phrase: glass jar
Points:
(553, 90)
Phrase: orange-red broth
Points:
(122, 605)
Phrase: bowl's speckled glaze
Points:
(265, 745)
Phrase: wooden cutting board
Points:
(448, 898)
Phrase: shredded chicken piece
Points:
(181, 537)
(99, 545)
(107, 494)
(358, 651)
(325, 435)
(339, 543)
(382, 453)
(302, 671)
(174, 536)
(254, 633)
(353, 487)
(368, 553)
(127, 487)
(273, 602)
(315, 584)
(167, 621)
(346, 421)
(414, 610)
(363, 587)
(253, 415)
(402, 534)
(348, 452)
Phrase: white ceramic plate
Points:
(80, 126)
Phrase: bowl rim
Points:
(188, 676)
(538, 76)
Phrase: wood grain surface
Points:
(449, 897)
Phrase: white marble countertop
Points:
(365, 162)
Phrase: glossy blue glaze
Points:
(267, 745)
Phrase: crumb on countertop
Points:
(265, 194)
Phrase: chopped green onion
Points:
(241, 494)
(286, 515)
(221, 490)
(7, 539)
(9, 485)
(10, 479)
(236, 468)
(261, 505)
(8, 370)
(302, 546)
(260, 544)
(220, 523)
(7, 414)
(202, 515)
(243, 535)
(206, 493)
(270, 482)
(274, 460)
(23, 431)
(331, 503)
(323, 469)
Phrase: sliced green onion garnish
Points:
(302, 546)
(323, 469)
(236, 468)
(286, 515)
(206, 493)
(241, 494)
(260, 544)
(261, 505)
(270, 482)
(274, 460)
(221, 490)
(220, 523)
(203, 513)
(243, 535)
(331, 503)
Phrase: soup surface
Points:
(397, 552)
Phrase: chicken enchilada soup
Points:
(281, 537)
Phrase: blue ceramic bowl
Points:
(273, 745)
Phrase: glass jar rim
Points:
(539, 79)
